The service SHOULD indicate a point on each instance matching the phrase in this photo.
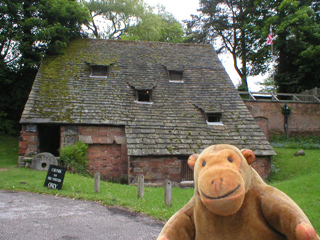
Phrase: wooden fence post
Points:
(140, 186)
(97, 182)
(168, 193)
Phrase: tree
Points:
(28, 31)
(297, 26)
(243, 26)
(268, 86)
(296, 47)
(131, 20)
(160, 27)
(110, 18)
(227, 21)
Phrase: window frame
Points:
(170, 72)
(102, 67)
(214, 115)
(146, 92)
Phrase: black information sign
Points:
(55, 177)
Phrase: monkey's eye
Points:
(204, 163)
(230, 159)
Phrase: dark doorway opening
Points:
(49, 139)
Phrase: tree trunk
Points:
(244, 84)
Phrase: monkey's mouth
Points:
(223, 196)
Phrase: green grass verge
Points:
(8, 151)
(286, 166)
(305, 191)
(79, 187)
(309, 142)
(296, 176)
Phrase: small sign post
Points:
(55, 177)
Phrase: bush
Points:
(74, 158)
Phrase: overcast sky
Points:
(181, 9)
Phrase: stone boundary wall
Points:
(304, 118)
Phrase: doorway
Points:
(49, 139)
(186, 171)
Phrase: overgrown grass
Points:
(296, 176)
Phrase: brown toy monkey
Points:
(231, 201)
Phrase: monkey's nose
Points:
(219, 180)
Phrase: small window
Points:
(99, 71)
(175, 76)
(144, 96)
(214, 118)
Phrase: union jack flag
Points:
(270, 37)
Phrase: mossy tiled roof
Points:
(64, 93)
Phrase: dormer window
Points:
(144, 96)
(99, 71)
(175, 76)
(214, 118)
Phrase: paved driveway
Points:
(33, 216)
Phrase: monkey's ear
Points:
(192, 160)
(249, 155)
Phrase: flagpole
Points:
(272, 60)
(270, 42)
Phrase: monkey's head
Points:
(222, 177)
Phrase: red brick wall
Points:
(106, 159)
(155, 169)
(263, 166)
(107, 154)
(107, 151)
(303, 120)
(28, 141)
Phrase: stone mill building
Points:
(142, 107)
